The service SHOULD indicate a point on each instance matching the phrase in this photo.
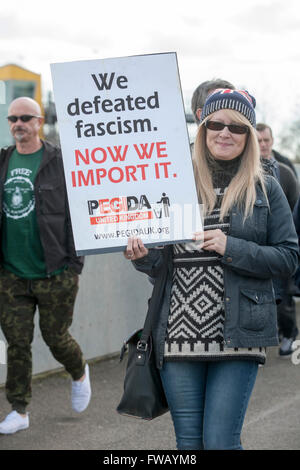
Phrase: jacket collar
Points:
(50, 151)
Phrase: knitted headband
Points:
(237, 100)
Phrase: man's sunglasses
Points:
(23, 118)
(233, 128)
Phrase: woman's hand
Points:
(135, 249)
(213, 240)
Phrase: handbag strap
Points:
(153, 309)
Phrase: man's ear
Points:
(198, 113)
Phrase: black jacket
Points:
(286, 161)
(52, 209)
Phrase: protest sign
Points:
(126, 151)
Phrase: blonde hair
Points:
(241, 190)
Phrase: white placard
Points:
(126, 151)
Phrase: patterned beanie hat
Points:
(237, 100)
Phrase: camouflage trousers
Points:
(19, 298)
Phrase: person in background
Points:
(266, 142)
(296, 217)
(286, 309)
(217, 309)
(201, 93)
(39, 266)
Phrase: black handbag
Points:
(143, 395)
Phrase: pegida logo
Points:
(126, 209)
(118, 204)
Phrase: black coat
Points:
(52, 209)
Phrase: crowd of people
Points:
(229, 289)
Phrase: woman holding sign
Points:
(218, 312)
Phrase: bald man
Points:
(25, 133)
(39, 266)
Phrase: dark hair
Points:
(260, 127)
(203, 90)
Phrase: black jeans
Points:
(286, 313)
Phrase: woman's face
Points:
(224, 145)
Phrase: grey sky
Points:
(253, 43)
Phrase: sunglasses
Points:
(233, 128)
(23, 118)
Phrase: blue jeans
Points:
(208, 401)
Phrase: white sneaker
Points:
(14, 422)
(81, 392)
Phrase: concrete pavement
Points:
(272, 421)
